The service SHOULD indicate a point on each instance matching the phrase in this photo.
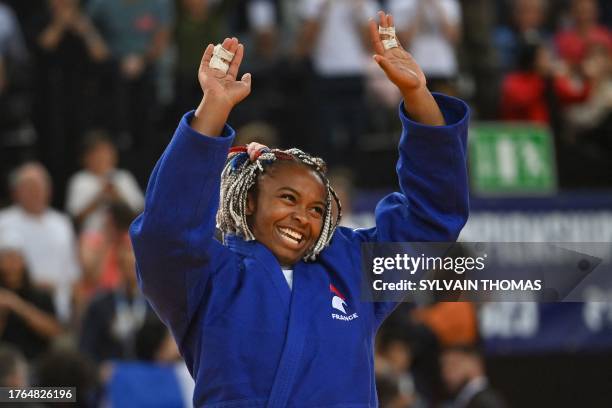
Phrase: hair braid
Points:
(240, 175)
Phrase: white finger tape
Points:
(222, 53)
(221, 58)
(388, 44)
(387, 30)
(218, 63)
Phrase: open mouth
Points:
(291, 236)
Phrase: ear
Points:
(251, 203)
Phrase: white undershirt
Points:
(288, 277)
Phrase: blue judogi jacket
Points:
(250, 341)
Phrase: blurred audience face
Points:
(62, 5)
(12, 268)
(529, 14)
(196, 7)
(597, 64)
(584, 12)
(32, 188)
(397, 356)
(101, 158)
(458, 368)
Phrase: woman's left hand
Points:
(398, 64)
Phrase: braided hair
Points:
(240, 175)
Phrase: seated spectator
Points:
(110, 324)
(528, 19)
(464, 374)
(431, 31)
(27, 315)
(99, 254)
(64, 367)
(393, 361)
(50, 249)
(100, 183)
(389, 394)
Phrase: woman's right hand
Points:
(223, 88)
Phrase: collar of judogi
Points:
(250, 248)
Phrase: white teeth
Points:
(291, 234)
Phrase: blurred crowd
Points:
(87, 85)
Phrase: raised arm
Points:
(405, 73)
(433, 202)
(173, 238)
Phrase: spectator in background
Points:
(259, 132)
(342, 179)
(591, 122)
(27, 315)
(393, 360)
(464, 374)
(16, 133)
(100, 254)
(334, 36)
(69, 51)
(69, 368)
(573, 41)
(137, 32)
(50, 247)
(431, 31)
(389, 393)
(100, 183)
(528, 22)
(12, 48)
(109, 327)
(198, 22)
(263, 22)
(527, 93)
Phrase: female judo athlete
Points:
(272, 316)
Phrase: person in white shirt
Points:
(334, 37)
(100, 182)
(50, 248)
(431, 29)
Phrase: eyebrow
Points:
(294, 191)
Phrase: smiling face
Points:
(286, 210)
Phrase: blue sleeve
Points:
(176, 253)
(433, 202)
